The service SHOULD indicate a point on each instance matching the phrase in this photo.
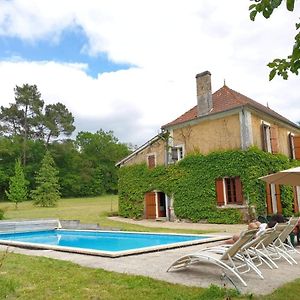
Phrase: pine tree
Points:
(17, 185)
(47, 190)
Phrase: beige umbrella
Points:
(289, 177)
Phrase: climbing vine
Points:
(191, 183)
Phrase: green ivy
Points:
(191, 183)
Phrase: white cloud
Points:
(169, 42)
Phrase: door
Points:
(150, 205)
(162, 204)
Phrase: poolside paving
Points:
(155, 264)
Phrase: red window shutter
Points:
(278, 199)
(274, 139)
(220, 192)
(291, 145)
(264, 137)
(269, 199)
(296, 206)
(297, 147)
(151, 161)
(238, 191)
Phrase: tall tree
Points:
(22, 118)
(47, 190)
(57, 120)
(17, 185)
(27, 118)
(279, 66)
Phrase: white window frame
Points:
(268, 135)
(273, 198)
(180, 153)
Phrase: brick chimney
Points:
(204, 98)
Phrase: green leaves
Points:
(17, 185)
(47, 191)
(290, 4)
(272, 74)
(253, 15)
(191, 183)
(280, 67)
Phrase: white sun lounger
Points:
(224, 260)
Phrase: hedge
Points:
(191, 183)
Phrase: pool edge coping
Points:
(210, 238)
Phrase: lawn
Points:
(87, 210)
(25, 277)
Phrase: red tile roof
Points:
(225, 99)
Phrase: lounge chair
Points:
(283, 241)
(224, 260)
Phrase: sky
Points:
(130, 66)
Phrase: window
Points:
(177, 153)
(273, 199)
(294, 143)
(269, 138)
(229, 191)
(151, 161)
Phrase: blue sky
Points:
(129, 66)
(68, 49)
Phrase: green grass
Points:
(24, 277)
(87, 210)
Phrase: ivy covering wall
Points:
(191, 183)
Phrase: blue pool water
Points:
(95, 240)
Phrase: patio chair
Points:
(224, 260)
(283, 241)
(268, 248)
(253, 249)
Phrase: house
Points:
(223, 120)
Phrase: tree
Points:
(17, 185)
(99, 153)
(47, 190)
(22, 117)
(28, 119)
(279, 66)
(57, 120)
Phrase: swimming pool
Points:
(102, 243)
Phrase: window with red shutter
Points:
(151, 161)
(296, 198)
(238, 191)
(291, 145)
(273, 197)
(265, 137)
(274, 139)
(269, 199)
(220, 192)
(297, 147)
(278, 199)
(269, 138)
(229, 191)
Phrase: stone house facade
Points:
(223, 120)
